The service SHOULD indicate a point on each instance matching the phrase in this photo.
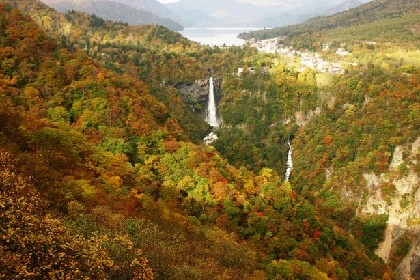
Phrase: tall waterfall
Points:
(289, 163)
(211, 107)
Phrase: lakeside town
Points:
(307, 59)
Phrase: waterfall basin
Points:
(209, 139)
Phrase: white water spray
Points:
(211, 107)
(289, 163)
(211, 117)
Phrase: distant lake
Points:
(216, 35)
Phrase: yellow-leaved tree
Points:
(36, 245)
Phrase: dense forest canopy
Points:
(370, 12)
(104, 174)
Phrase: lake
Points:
(217, 36)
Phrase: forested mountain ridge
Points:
(111, 163)
(151, 6)
(354, 136)
(139, 51)
(115, 11)
(366, 13)
(154, 7)
(152, 53)
(294, 17)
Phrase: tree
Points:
(35, 245)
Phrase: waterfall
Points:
(211, 107)
(289, 163)
(211, 117)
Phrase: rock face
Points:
(402, 206)
(302, 118)
(196, 95)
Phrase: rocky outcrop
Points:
(397, 194)
(409, 268)
(196, 94)
(302, 118)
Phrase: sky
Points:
(256, 2)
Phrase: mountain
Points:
(236, 13)
(295, 17)
(366, 13)
(284, 19)
(341, 130)
(115, 11)
(347, 4)
(98, 180)
(151, 6)
(194, 18)
(216, 13)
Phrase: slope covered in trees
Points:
(152, 53)
(117, 12)
(345, 129)
(111, 173)
(122, 48)
(367, 13)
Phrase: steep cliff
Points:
(397, 194)
(195, 95)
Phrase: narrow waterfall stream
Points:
(211, 117)
(211, 107)
(289, 163)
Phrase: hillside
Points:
(150, 6)
(366, 13)
(354, 141)
(354, 135)
(154, 7)
(117, 190)
(346, 5)
(138, 60)
(116, 12)
(296, 17)
(71, 153)
(403, 30)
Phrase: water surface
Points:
(216, 36)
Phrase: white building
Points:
(342, 52)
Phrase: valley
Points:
(132, 152)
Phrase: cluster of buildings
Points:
(307, 59)
(314, 61)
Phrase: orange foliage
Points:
(328, 140)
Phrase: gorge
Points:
(103, 166)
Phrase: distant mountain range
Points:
(136, 12)
(293, 17)
(204, 13)
(366, 13)
(237, 13)
(152, 6)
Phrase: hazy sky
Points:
(257, 2)
(167, 1)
